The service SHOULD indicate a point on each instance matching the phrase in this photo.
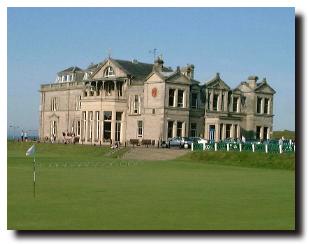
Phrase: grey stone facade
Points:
(119, 100)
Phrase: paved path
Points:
(141, 153)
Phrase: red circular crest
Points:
(154, 92)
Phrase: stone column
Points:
(113, 126)
(184, 99)
(225, 108)
(262, 132)
(93, 127)
(100, 128)
(103, 90)
(183, 129)
(97, 125)
(175, 128)
(238, 105)
(87, 127)
(231, 104)
(96, 88)
(232, 130)
(122, 89)
(206, 135)
(223, 131)
(220, 101)
(81, 128)
(217, 132)
(262, 105)
(211, 100)
(206, 100)
(122, 128)
(238, 131)
(115, 88)
(176, 98)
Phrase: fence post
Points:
(240, 147)
(253, 148)
(204, 146)
(266, 148)
(280, 149)
(216, 146)
(228, 147)
(192, 146)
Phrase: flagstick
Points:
(34, 176)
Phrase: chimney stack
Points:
(158, 64)
(252, 79)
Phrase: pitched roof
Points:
(71, 69)
(137, 69)
(217, 80)
(264, 83)
(92, 66)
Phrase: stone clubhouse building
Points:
(118, 100)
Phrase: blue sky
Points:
(237, 42)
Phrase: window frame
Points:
(194, 105)
(182, 100)
(140, 128)
(109, 72)
(171, 96)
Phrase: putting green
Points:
(86, 187)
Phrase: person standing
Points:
(26, 136)
(22, 135)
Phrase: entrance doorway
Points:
(212, 130)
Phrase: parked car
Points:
(201, 140)
(189, 140)
(177, 142)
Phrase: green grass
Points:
(244, 159)
(80, 187)
(287, 134)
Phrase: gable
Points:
(265, 88)
(178, 78)
(217, 83)
(154, 77)
(99, 73)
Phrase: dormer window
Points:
(109, 71)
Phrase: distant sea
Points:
(32, 135)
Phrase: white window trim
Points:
(109, 72)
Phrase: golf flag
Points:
(30, 151)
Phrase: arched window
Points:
(109, 71)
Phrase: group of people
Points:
(24, 136)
